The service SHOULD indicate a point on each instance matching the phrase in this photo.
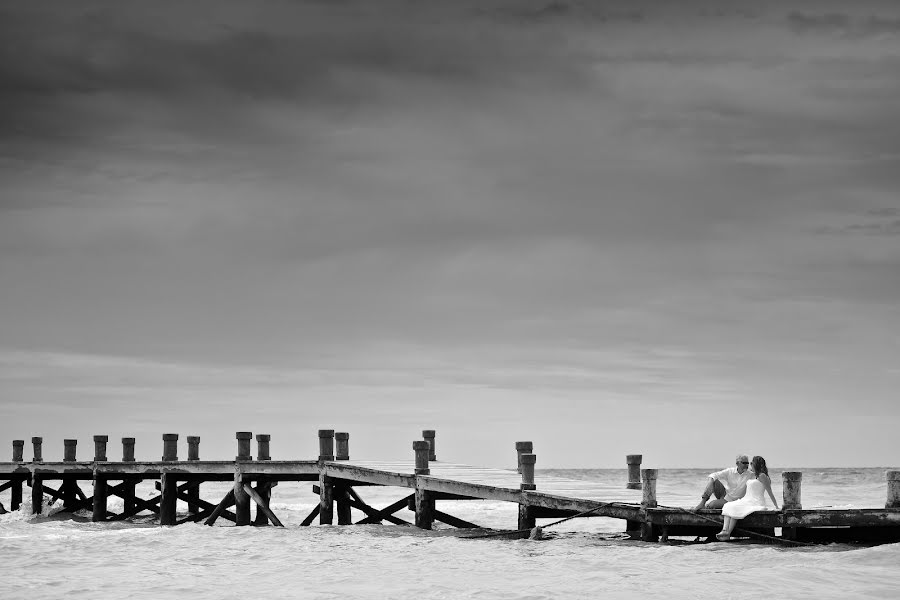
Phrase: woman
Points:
(752, 501)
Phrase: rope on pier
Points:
(534, 533)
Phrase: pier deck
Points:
(427, 480)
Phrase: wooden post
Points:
(790, 499)
(69, 450)
(421, 448)
(428, 436)
(262, 446)
(342, 439)
(326, 498)
(791, 490)
(170, 447)
(18, 451)
(37, 494)
(36, 442)
(893, 489)
(526, 520)
(193, 492)
(522, 448)
(241, 497)
(128, 486)
(101, 489)
(168, 497)
(264, 493)
(528, 461)
(634, 471)
(100, 447)
(15, 492)
(326, 444)
(127, 449)
(342, 499)
(648, 484)
(424, 507)
(193, 447)
(243, 438)
(15, 495)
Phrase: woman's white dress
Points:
(752, 501)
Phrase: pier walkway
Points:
(428, 481)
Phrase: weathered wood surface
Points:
(481, 482)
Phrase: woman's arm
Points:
(767, 483)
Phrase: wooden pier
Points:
(337, 481)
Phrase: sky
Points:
(607, 227)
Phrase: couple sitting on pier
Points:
(738, 491)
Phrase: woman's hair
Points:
(759, 465)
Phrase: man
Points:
(726, 485)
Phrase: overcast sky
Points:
(606, 227)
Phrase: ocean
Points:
(61, 555)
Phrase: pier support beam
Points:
(343, 501)
(37, 495)
(168, 499)
(264, 492)
(326, 500)
(15, 492)
(648, 484)
(241, 501)
(193, 492)
(526, 467)
(424, 509)
(128, 485)
(101, 487)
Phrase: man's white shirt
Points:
(732, 480)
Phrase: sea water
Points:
(61, 555)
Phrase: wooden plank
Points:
(475, 490)
(862, 517)
(577, 505)
(153, 470)
(353, 473)
(279, 467)
(48, 469)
